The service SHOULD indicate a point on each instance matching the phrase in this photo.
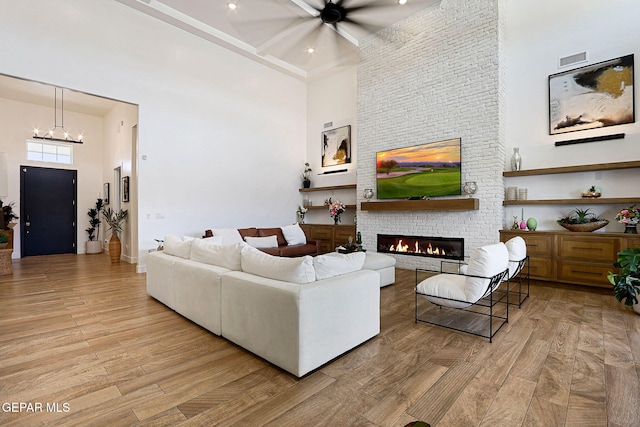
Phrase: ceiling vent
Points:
(576, 58)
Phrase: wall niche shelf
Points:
(330, 188)
(468, 204)
(323, 207)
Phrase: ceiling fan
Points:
(339, 15)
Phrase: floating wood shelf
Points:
(468, 204)
(598, 201)
(333, 187)
(327, 207)
(572, 169)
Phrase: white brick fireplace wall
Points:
(436, 75)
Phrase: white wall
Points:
(538, 34)
(222, 135)
(118, 153)
(331, 100)
(17, 124)
(434, 77)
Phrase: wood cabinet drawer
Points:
(326, 246)
(587, 273)
(633, 242)
(539, 245)
(321, 233)
(343, 233)
(588, 249)
(540, 268)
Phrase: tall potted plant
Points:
(626, 283)
(115, 221)
(94, 245)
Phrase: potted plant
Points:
(626, 283)
(306, 174)
(4, 240)
(94, 245)
(8, 214)
(115, 221)
(582, 220)
(592, 193)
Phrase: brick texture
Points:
(435, 76)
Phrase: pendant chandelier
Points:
(51, 134)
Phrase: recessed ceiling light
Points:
(310, 50)
(402, 1)
(232, 5)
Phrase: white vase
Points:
(94, 247)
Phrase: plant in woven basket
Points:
(582, 220)
(3, 238)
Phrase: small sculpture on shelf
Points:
(592, 193)
(301, 213)
(306, 176)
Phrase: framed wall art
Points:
(590, 97)
(336, 146)
(125, 189)
(105, 190)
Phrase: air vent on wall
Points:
(576, 58)
(328, 125)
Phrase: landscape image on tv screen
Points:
(430, 170)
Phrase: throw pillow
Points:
(264, 232)
(173, 245)
(294, 235)
(336, 264)
(229, 235)
(295, 270)
(262, 242)
(227, 256)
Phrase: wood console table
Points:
(330, 236)
(573, 257)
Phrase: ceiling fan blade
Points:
(372, 28)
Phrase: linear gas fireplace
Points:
(434, 247)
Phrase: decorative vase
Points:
(300, 218)
(336, 219)
(630, 229)
(306, 183)
(115, 248)
(532, 224)
(516, 160)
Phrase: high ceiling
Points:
(276, 33)
(279, 32)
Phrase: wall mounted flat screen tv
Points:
(431, 170)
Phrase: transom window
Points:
(42, 151)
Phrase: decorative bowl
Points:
(587, 226)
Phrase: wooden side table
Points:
(5, 262)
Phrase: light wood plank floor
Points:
(81, 333)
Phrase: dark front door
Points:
(48, 211)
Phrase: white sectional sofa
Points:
(297, 313)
